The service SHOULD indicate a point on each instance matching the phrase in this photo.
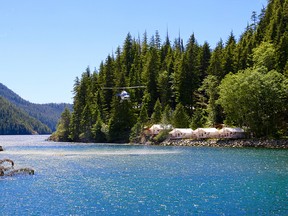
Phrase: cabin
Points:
(157, 128)
(181, 133)
(232, 133)
(204, 133)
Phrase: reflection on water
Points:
(90, 179)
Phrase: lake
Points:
(98, 179)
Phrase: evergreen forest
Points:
(242, 82)
(14, 121)
(47, 114)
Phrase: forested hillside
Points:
(241, 82)
(48, 114)
(14, 121)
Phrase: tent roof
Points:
(182, 130)
(235, 130)
(211, 130)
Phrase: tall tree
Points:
(157, 114)
(204, 60)
(180, 119)
(187, 77)
(229, 55)
(150, 76)
(121, 121)
(127, 54)
(216, 61)
(255, 100)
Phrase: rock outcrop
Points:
(236, 143)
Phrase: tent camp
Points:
(181, 133)
(202, 133)
(227, 132)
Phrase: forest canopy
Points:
(240, 83)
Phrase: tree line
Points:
(239, 83)
(13, 121)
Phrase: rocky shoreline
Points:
(235, 143)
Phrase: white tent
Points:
(181, 133)
(156, 128)
(227, 132)
(202, 133)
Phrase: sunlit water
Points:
(90, 179)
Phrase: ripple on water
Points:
(90, 179)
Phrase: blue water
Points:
(90, 179)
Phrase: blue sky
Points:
(45, 44)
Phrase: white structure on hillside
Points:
(227, 132)
(157, 128)
(181, 133)
(202, 133)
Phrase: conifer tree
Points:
(187, 77)
(63, 128)
(150, 77)
(167, 115)
(204, 57)
(210, 87)
(229, 55)
(107, 78)
(164, 88)
(121, 121)
(157, 114)
(216, 62)
(127, 54)
(180, 119)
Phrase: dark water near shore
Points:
(90, 179)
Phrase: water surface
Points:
(93, 179)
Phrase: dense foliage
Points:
(242, 83)
(48, 114)
(15, 121)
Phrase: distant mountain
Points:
(13, 121)
(48, 114)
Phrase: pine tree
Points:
(187, 78)
(121, 121)
(127, 54)
(150, 77)
(107, 78)
(229, 55)
(180, 119)
(164, 87)
(167, 115)
(63, 130)
(204, 57)
(216, 62)
(157, 114)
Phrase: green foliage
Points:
(199, 119)
(136, 132)
(264, 56)
(14, 121)
(167, 115)
(157, 114)
(47, 114)
(162, 136)
(185, 80)
(121, 121)
(210, 87)
(98, 133)
(255, 100)
(63, 127)
(180, 119)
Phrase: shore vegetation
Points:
(241, 83)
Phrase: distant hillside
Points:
(48, 114)
(15, 121)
